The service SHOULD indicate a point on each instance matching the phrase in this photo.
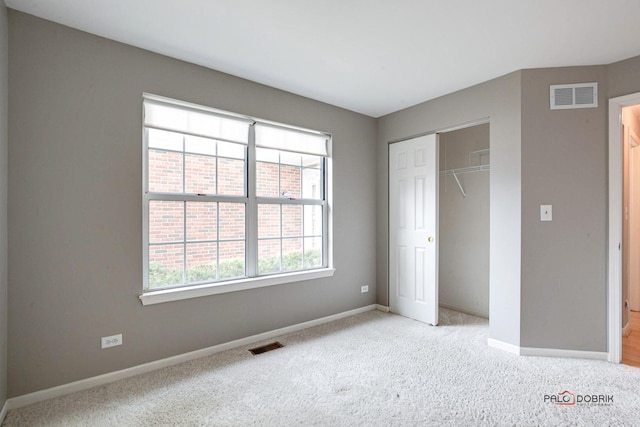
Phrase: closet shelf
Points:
(470, 169)
(460, 171)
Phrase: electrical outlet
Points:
(111, 341)
(364, 288)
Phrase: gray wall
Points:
(4, 47)
(623, 77)
(464, 223)
(75, 266)
(498, 100)
(564, 164)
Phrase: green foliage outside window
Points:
(160, 275)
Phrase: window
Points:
(227, 198)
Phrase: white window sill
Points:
(176, 294)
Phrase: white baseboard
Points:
(546, 352)
(382, 308)
(3, 412)
(555, 352)
(61, 390)
(504, 346)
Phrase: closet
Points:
(463, 262)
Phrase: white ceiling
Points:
(370, 56)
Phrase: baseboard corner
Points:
(382, 308)
(504, 346)
(3, 411)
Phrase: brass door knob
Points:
(430, 239)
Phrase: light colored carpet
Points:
(373, 369)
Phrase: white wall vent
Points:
(580, 95)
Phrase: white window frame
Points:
(251, 201)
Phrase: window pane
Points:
(313, 220)
(290, 181)
(288, 158)
(195, 144)
(166, 221)
(312, 252)
(268, 221)
(311, 161)
(200, 174)
(268, 256)
(165, 171)
(227, 149)
(266, 155)
(267, 180)
(164, 140)
(201, 262)
(231, 260)
(232, 225)
(231, 177)
(291, 254)
(165, 265)
(292, 221)
(311, 185)
(202, 221)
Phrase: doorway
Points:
(464, 220)
(631, 235)
(624, 229)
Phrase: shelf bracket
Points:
(459, 184)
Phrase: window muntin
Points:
(298, 175)
(193, 242)
(185, 164)
(203, 193)
(289, 237)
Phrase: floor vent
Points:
(268, 347)
(581, 95)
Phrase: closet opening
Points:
(631, 235)
(463, 229)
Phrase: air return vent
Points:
(265, 348)
(581, 95)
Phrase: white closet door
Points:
(413, 226)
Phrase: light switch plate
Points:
(546, 213)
